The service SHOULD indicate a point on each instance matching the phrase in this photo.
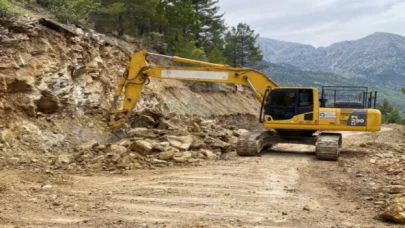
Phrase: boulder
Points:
(217, 144)
(117, 149)
(115, 158)
(142, 146)
(88, 145)
(126, 160)
(208, 154)
(63, 159)
(137, 132)
(168, 154)
(240, 132)
(161, 146)
(197, 143)
(206, 123)
(395, 212)
(124, 142)
(182, 157)
(180, 142)
(157, 161)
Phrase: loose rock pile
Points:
(380, 165)
(167, 142)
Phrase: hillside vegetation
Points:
(188, 28)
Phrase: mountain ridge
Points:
(379, 58)
(343, 41)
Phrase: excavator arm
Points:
(138, 73)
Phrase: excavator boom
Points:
(138, 73)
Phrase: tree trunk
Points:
(120, 25)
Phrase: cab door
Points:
(287, 104)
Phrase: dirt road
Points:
(274, 190)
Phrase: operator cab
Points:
(284, 104)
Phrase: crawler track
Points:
(328, 146)
(253, 143)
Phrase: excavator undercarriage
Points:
(327, 145)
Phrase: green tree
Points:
(190, 51)
(5, 7)
(240, 47)
(216, 56)
(389, 113)
(76, 11)
(209, 24)
(9, 8)
(180, 21)
(132, 17)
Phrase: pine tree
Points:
(216, 56)
(180, 21)
(133, 17)
(76, 11)
(240, 47)
(389, 113)
(209, 25)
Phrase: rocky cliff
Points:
(56, 84)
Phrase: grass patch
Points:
(12, 7)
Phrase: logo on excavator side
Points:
(327, 115)
(357, 118)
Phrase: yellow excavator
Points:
(300, 115)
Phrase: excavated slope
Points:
(56, 84)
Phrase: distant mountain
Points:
(378, 58)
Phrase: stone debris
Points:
(380, 169)
(395, 212)
(153, 147)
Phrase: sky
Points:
(316, 22)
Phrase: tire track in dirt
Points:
(275, 190)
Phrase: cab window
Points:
(305, 98)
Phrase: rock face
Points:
(50, 68)
(56, 84)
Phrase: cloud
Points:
(317, 22)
